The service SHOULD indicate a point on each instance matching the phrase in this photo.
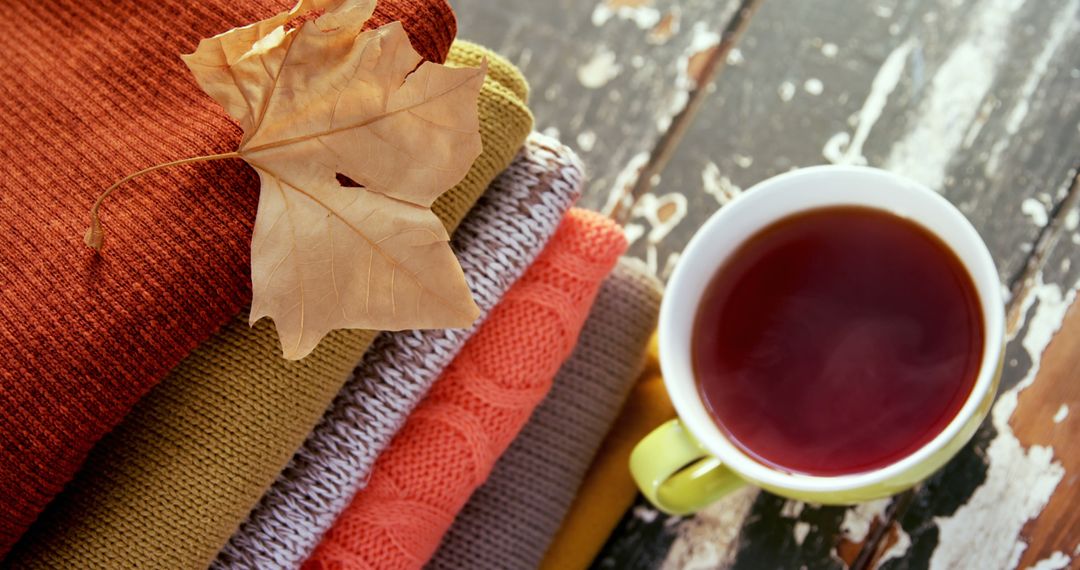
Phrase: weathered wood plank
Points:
(1048, 415)
(1051, 262)
(998, 491)
(607, 76)
(969, 97)
(978, 99)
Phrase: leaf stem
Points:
(94, 234)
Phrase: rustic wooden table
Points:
(677, 105)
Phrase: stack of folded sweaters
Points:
(143, 423)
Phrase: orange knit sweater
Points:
(91, 90)
(453, 438)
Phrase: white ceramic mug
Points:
(688, 463)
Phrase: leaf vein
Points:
(361, 124)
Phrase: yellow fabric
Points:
(170, 485)
(608, 490)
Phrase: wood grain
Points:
(975, 99)
(608, 77)
(1048, 415)
(989, 494)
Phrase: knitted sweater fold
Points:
(607, 491)
(92, 90)
(174, 480)
(499, 238)
(472, 413)
(510, 521)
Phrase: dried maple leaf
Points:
(322, 102)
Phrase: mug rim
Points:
(980, 267)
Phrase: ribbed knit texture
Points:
(510, 520)
(608, 491)
(170, 485)
(499, 238)
(91, 90)
(450, 442)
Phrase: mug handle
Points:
(676, 473)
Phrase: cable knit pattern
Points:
(510, 521)
(91, 90)
(450, 442)
(501, 236)
(170, 485)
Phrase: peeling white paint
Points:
(743, 161)
(619, 195)
(667, 27)
(645, 514)
(1035, 210)
(1061, 414)
(678, 101)
(791, 509)
(702, 38)
(1060, 29)
(883, 11)
(644, 17)
(857, 519)
(662, 215)
(1056, 561)
(1019, 481)
(710, 539)
(1072, 219)
(649, 207)
(843, 148)
(601, 14)
(651, 253)
(898, 549)
(600, 69)
(786, 91)
(735, 57)
(813, 86)
(799, 531)
(586, 140)
(834, 152)
(717, 185)
(633, 232)
(954, 94)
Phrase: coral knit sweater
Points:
(91, 90)
(452, 439)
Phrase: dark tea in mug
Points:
(837, 341)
